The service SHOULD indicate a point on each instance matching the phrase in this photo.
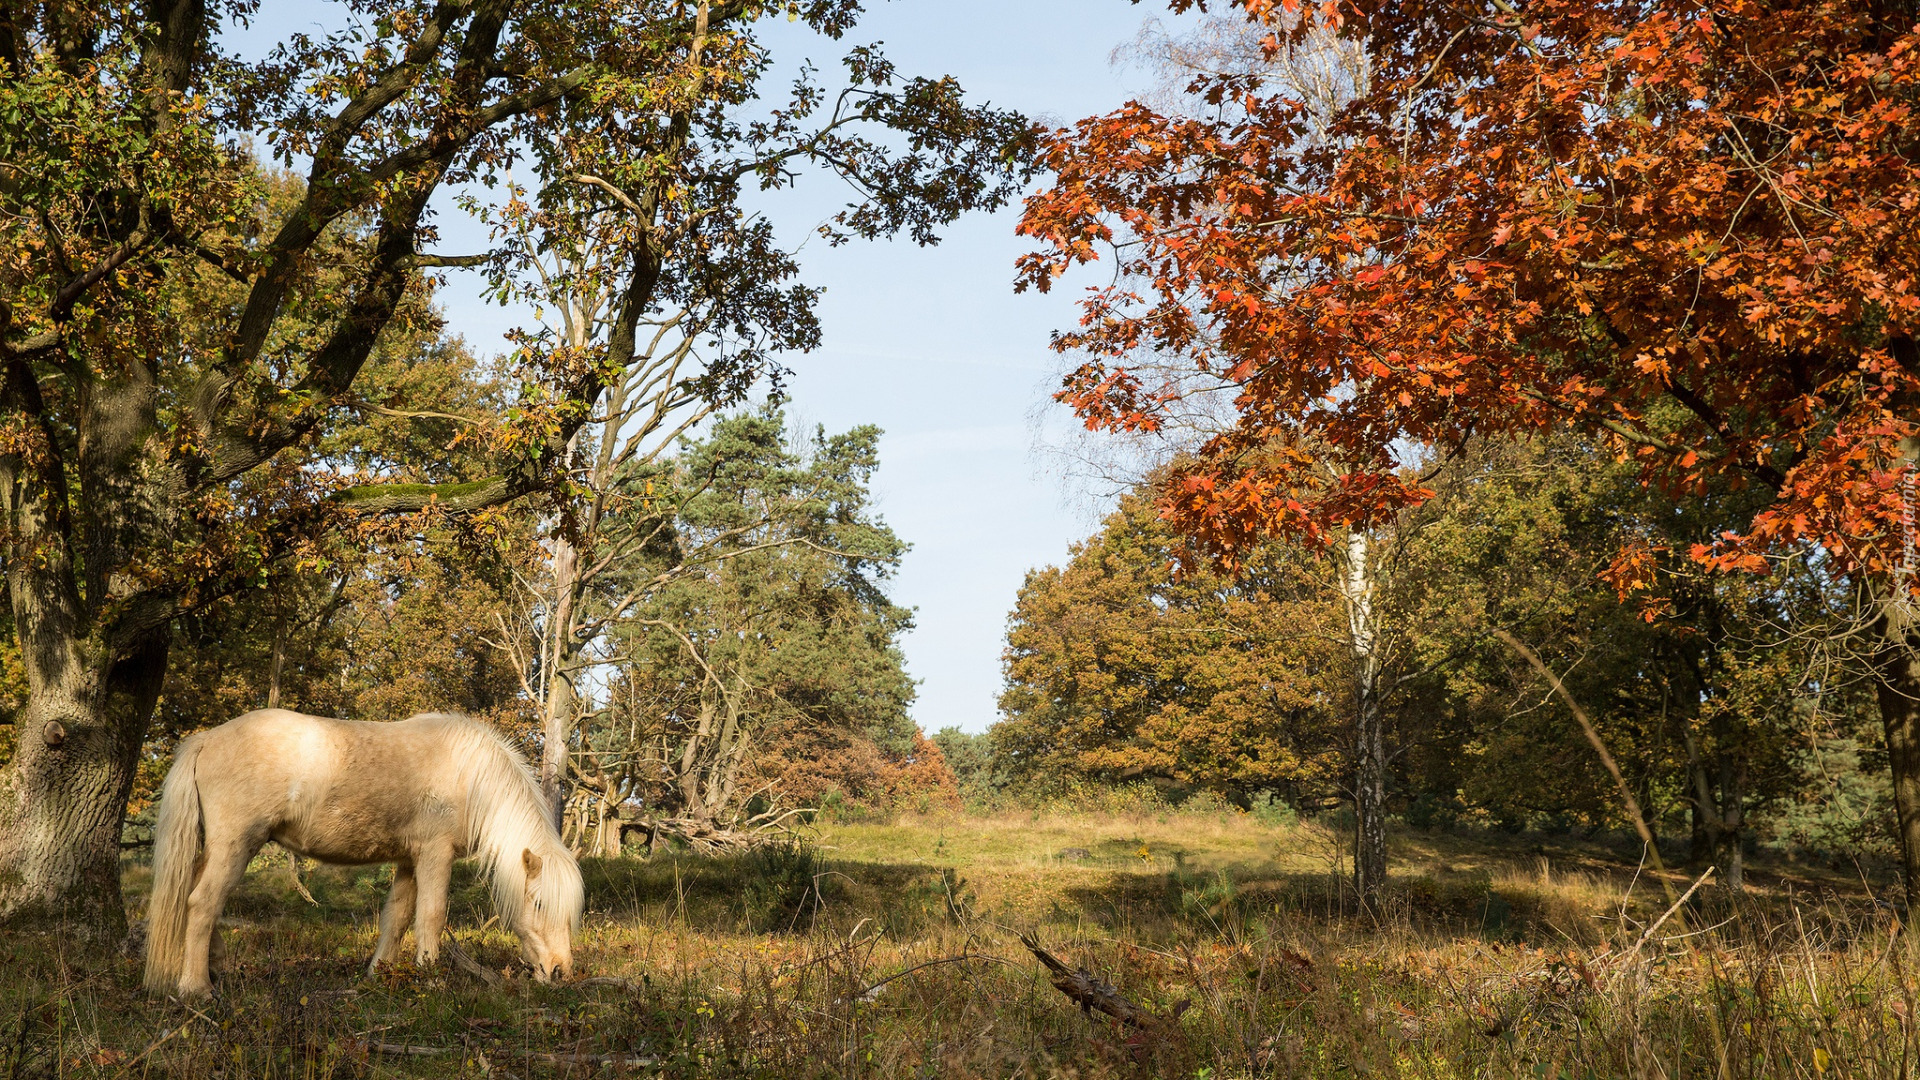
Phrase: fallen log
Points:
(1089, 991)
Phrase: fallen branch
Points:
(1647, 934)
(405, 1050)
(1088, 991)
(127, 1069)
(468, 964)
(705, 836)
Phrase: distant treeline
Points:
(1735, 705)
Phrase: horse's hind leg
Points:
(433, 871)
(226, 862)
(395, 916)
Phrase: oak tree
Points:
(1684, 227)
(177, 341)
(1117, 668)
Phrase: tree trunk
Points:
(1369, 736)
(1369, 802)
(1732, 853)
(63, 796)
(611, 836)
(556, 729)
(279, 661)
(1708, 821)
(1897, 665)
(688, 779)
(91, 683)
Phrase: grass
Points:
(893, 950)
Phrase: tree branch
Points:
(413, 498)
(450, 260)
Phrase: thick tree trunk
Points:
(91, 683)
(65, 792)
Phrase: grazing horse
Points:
(418, 793)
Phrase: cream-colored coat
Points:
(418, 793)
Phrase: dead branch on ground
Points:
(1088, 991)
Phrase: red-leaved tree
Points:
(1693, 227)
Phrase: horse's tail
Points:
(176, 853)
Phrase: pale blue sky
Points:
(931, 344)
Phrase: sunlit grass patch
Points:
(888, 950)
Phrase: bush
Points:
(782, 885)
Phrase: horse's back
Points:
(265, 752)
(339, 790)
(300, 740)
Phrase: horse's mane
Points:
(506, 814)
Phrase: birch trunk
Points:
(556, 727)
(1896, 663)
(1369, 736)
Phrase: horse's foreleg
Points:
(395, 916)
(226, 862)
(432, 871)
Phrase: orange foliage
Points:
(806, 762)
(1692, 228)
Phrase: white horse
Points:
(418, 793)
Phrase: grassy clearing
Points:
(893, 950)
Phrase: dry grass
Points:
(892, 950)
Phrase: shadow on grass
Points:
(796, 890)
(785, 890)
(1451, 906)
(778, 889)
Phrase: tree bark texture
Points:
(1897, 665)
(1370, 809)
(556, 729)
(93, 651)
(707, 768)
(1369, 736)
(1896, 662)
(63, 795)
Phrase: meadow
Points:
(900, 948)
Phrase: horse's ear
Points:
(531, 862)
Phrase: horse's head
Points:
(549, 912)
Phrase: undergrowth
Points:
(894, 951)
